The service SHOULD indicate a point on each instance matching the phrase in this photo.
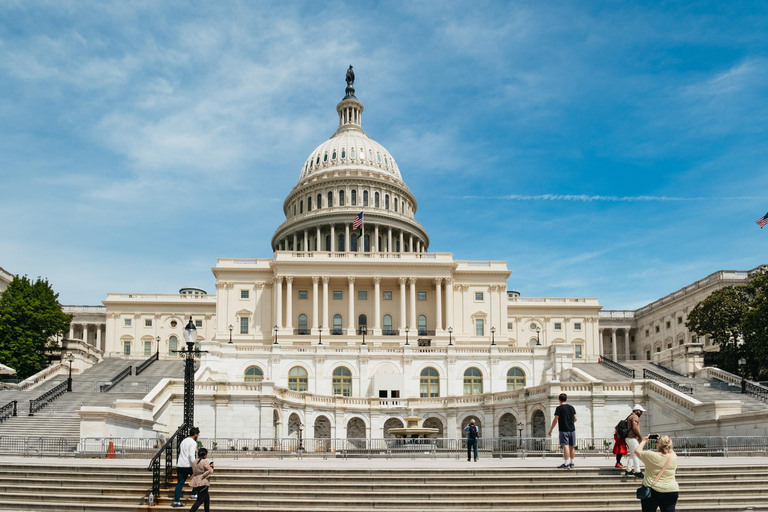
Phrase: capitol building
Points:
(353, 325)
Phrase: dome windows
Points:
(319, 201)
(343, 154)
(333, 156)
(354, 198)
(365, 198)
(352, 153)
(378, 157)
(325, 157)
(395, 204)
(330, 199)
(318, 160)
(362, 154)
(309, 204)
(376, 199)
(386, 202)
(341, 198)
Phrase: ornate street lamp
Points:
(275, 329)
(493, 335)
(406, 334)
(320, 334)
(450, 336)
(189, 355)
(301, 436)
(538, 338)
(363, 329)
(70, 358)
(157, 354)
(230, 333)
(742, 367)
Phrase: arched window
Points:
(297, 379)
(173, 343)
(340, 246)
(341, 198)
(309, 204)
(336, 324)
(328, 246)
(422, 325)
(351, 152)
(473, 382)
(395, 204)
(387, 325)
(365, 198)
(515, 379)
(127, 347)
(376, 199)
(343, 153)
(319, 201)
(429, 383)
(294, 209)
(303, 324)
(362, 321)
(354, 198)
(301, 207)
(367, 247)
(386, 201)
(342, 381)
(353, 243)
(253, 374)
(330, 199)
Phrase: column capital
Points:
(258, 286)
(402, 280)
(438, 281)
(350, 279)
(279, 279)
(289, 279)
(377, 280)
(326, 279)
(412, 280)
(315, 279)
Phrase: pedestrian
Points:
(619, 449)
(187, 450)
(633, 439)
(201, 471)
(660, 466)
(565, 419)
(472, 434)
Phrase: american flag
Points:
(358, 221)
(762, 221)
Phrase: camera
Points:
(653, 436)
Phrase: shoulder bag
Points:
(643, 492)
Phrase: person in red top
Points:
(619, 449)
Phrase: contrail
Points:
(588, 199)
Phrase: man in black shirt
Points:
(565, 418)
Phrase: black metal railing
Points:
(613, 365)
(8, 410)
(426, 332)
(756, 390)
(143, 366)
(46, 398)
(361, 329)
(683, 388)
(154, 464)
(390, 332)
(116, 380)
(337, 332)
(302, 331)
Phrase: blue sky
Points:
(612, 150)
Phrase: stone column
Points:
(98, 337)
(315, 302)
(402, 280)
(376, 306)
(626, 345)
(351, 311)
(389, 239)
(319, 241)
(614, 354)
(332, 248)
(289, 302)
(439, 304)
(71, 331)
(600, 348)
(294, 241)
(402, 244)
(279, 301)
(376, 238)
(449, 302)
(326, 325)
(347, 241)
(305, 247)
(410, 243)
(412, 316)
(85, 334)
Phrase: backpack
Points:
(622, 429)
(472, 432)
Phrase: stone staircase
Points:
(60, 418)
(342, 487)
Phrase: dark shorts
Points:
(567, 438)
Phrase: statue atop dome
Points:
(350, 77)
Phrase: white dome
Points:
(350, 148)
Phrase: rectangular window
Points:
(679, 319)
(127, 322)
(362, 295)
(336, 295)
(510, 326)
(382, 393)
(421, 295)
(198, 323)
(577, 351)
(386, 296)
(244, 294)
(558, 326)
(127, 348)
(669, 324)
(647, 333)
(147, 323)
(479, 327)
(303, 294)
(657, 328)
(243, 325)
(395, 393)
(478, 296)
(147, 348)
(577, 326)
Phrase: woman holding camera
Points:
(660, 466)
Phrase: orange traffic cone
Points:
(111, 450)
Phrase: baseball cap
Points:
(638, 407)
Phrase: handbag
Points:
(643, 492)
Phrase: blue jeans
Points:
(181, 476)
(471, 443)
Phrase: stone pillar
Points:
(351, 311)
(294, 241)
(326, 325)
(315, 302)
(389, 239)
(305, 247)
(402, 245)
(402, 280)
(376, 306)
(279, 301)
(332, 248)
(412, 316)
(347, 241)
(376, 238)
(71, 332)
(410, 243)
(98, 337)
(319, 241)
(614, 354)
(85, 333)
(449, 302)
(600, 348)
(439, 304)
(626, 345)
(289, 302)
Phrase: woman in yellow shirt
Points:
(664, 492)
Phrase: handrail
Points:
(684, 388)
(143, 366)
(751, 388)
(8, 410)
(46, 398)
(613, 365)
(116, 380)
(154, 464)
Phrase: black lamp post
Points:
(320, 335)
(275, 329)
(157, 353)
(230, 333)
(363, 330)
(301, 436)
(189, 355)
(742, 367)
(406, 334)
(70, 358)
(450, 336)
(493, 335)
(538, 338)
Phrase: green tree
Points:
(755, 326)
(30, 318)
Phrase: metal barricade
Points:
(699, 445)
(746, 445)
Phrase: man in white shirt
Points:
(187, 450)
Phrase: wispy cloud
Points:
(584, 198)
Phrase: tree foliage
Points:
(736, 319)
(30, 318)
